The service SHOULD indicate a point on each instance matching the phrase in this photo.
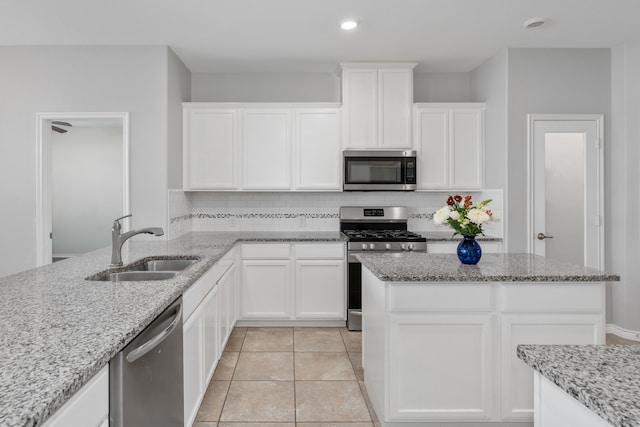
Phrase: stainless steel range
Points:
(370, 229)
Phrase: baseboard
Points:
(621, 332)
(290, 323)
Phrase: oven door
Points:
(354, 293)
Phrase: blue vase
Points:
(469, 251)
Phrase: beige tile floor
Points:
(288, 377)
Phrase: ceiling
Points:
(303, 35)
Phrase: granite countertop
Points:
(58, 329)
(426, 267)
(604, 378)
(446, 236)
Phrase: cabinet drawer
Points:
(320, 251)
(454, 297)
(560, 297)
(266, 251)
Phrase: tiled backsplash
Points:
(218, 211)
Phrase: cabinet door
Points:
(432, 143)
(89, 407)
(318, 150)
(226, 302)
(320, 289)
(395, 98)
(210, 153)
(193, 352)
(360, 99)
(517, 377)
(466, 127)
(211, 343)
(441, 367)
(266, 289)
(266, 149)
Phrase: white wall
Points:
(622, 187)
(87, 180)
(78, 79)
(178, 91)
(548, 81)
(441, 87)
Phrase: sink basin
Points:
(138, 276)
(167, 264)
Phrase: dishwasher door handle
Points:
(153, 342)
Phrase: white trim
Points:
(43, 197)
(599, 121)
(622, 333)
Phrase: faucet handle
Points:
(122, 217)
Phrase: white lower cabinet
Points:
(89, 407)
(193, 362)
(446, 352)
(284, 282)
(206, 309)
(555, 408)
(558, 328)
(441, 366)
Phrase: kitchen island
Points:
(440, 337)
(59, 330)
(585, 386)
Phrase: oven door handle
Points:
(357, 313)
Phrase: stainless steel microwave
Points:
(379, 170)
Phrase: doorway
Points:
(566, 188)
(83, 182)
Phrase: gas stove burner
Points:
(383, 235)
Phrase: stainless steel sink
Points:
(137, 276)
(145, 270)
(167, 264)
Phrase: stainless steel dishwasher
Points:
(145, 378)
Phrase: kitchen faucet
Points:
(118, 239)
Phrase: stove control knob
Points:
(387, 246)
(410, 246)
(372, 246)
(364, 246)
(403, 246)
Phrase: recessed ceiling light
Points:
(348, 24)
(532, 23)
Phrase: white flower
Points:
(454, 215)
(477, 216)
(441, 215)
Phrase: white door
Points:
(566, 211)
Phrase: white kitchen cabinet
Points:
(262, 147)
(88, 407)
(193, 362)
(226, 304)
(266, 149)
(293, 283)
(442, 247)
(211, 141)
(558, 328)
(446, 352)
(320, 281)
(203, 332)
(555, 408)
(377, 100)
(441, 366)
(449, 139)
(318, 155)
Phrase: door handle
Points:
(541, 236)
(153, 342)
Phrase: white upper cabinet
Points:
(449, 138)
(318, 164)
(377, 99)
(262, 147)
(266, 148)
(210, 150)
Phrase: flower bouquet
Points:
(466, 219)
